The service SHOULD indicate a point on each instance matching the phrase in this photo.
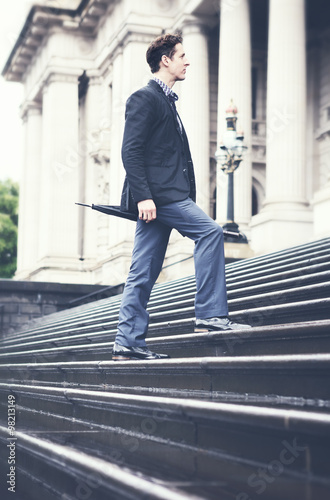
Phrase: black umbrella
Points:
(117, 212)
(111, 210)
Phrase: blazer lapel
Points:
(175, 114)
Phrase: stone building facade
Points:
(79, 60)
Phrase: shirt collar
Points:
(166, 89)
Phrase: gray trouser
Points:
(148, 255)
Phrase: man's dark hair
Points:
(164, 45)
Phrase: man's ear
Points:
(165, 60)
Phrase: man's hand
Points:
(147, 210)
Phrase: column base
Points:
(233, 234)
(58, 270)
(234, 251)
(321, 204)
(277, 229)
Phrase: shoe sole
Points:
(123, 358)
(126, 358)
(205, 330)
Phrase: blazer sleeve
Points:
(139, 118)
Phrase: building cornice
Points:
(84, 18)
(128, 33)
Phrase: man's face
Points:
(178, 64)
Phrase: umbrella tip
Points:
(82, 204)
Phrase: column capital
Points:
(94, 77)
(60, 76)
(190, 24)
(132, 33)
(29, 108)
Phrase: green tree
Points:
(9, 191)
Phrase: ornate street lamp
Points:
(229, 156)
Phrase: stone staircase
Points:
(234, 416)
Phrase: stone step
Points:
(176, 339)
(264, 313)
(268, 264)
(297, 338)
(257, 299)
(48, 468)
(233, 444)
(307, 275)
(282, 380)
(101, 311)
(232, 415)
(258, 296)
(301, 250)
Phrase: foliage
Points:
(8, 227)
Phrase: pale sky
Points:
(13, 15)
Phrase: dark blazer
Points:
(155, 152)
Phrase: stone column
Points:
(128, 74)
(321, 203)
(321, 198)
(235, 83)
(59, 190)
(194, 105)
(117, 120)
(285, 218)
(91, 153)
(29, 206)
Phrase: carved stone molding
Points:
(190, 24)
(100, 156)
(59, 76)
(94, 77)
(29, 108)
(323, 134)
(194, 25)
(258, 154)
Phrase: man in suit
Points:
(160, 182)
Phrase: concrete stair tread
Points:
(167, 303)
(290, 379)
(225, 406)
(229, 342)
(113, 478)
(105, 306)
(284, 419)
(260, 312)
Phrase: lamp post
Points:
(229, 156)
